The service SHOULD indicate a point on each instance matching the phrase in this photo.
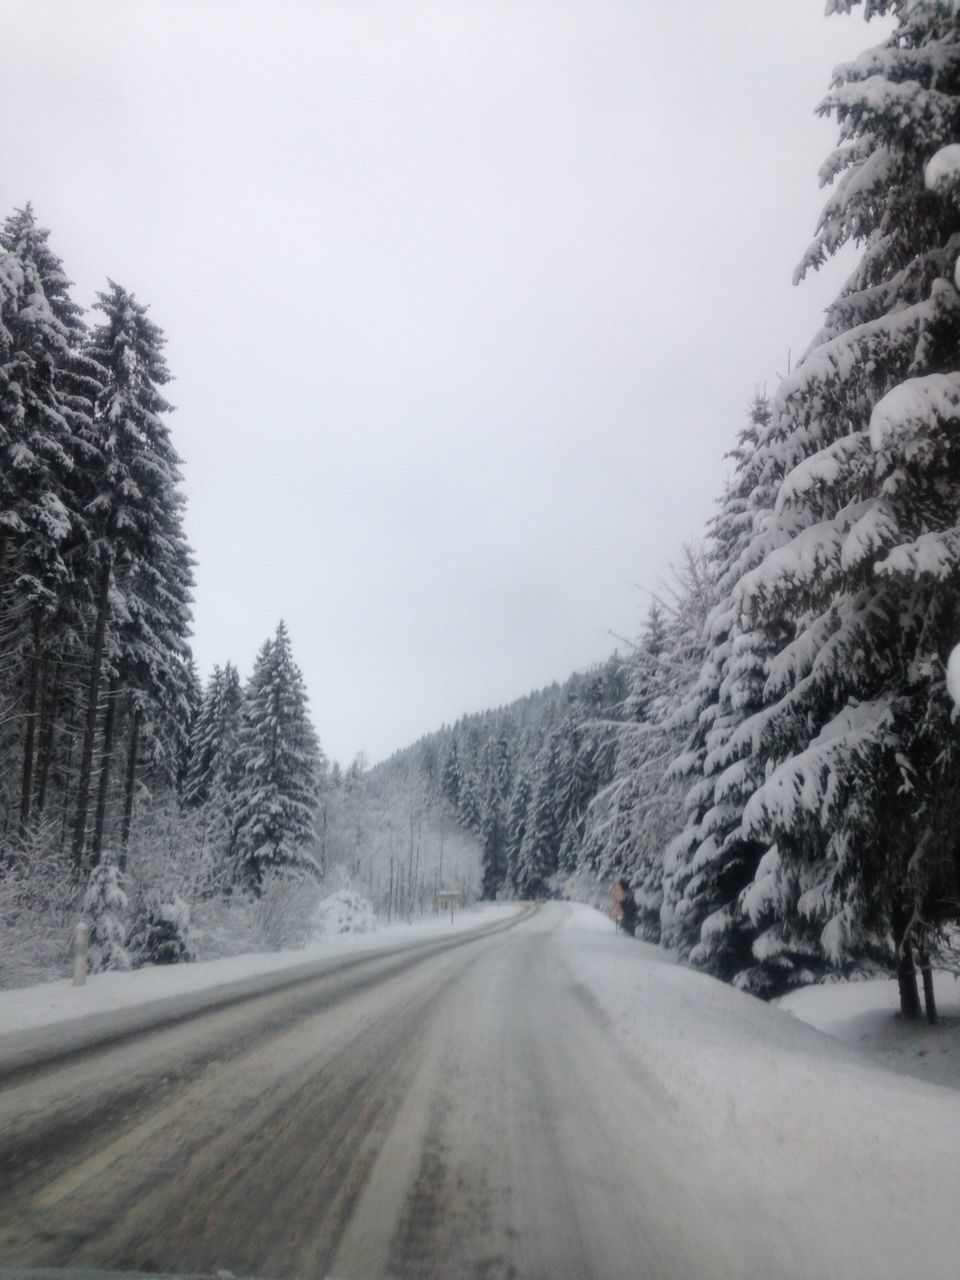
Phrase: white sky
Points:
(464, 300)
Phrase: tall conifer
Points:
(278, 771)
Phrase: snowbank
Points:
(865, 1015)
(54, 1002)
(802, 1148)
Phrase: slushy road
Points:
(449, 1108)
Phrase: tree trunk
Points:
(30, 733)
(443, 829)
(90, 727)
(323, 842)
(929, 1001)
(906, 971)
(129, 789)
(106, 761)
(47, 734)
(67, 798)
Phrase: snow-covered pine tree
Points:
(863, 558)
(712, 861)
(632, 819)
(105, 905)
(501, 763)
(469, 812)
(537, 860)
(279, 763)
(567, 806)
(517, 828)
(138, 552)
(493, 844)
(213, 735)
(493, 835)
(161, 935)
(47, 388)
(451, 775)
(212, 770)
(622, 837)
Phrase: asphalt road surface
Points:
(446, 1109)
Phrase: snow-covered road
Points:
(539, 1098)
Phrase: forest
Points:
(771, 766)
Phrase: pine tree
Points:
(517, 828)
(711, 861)
(46, 393)
(213, 736)
(493, 845)
(451, 777)
(211, 778)
(469, 811)
(633, 818)
(105, 904)
(278, 770)
(501, 763)
(138, 551)
(495, 783)
(538, 856)
(862, 558)
(622, 838)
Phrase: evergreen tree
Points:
(622, 839)
(451, 778)
(539, 850)
(211, 779)
(138, 551)
(501, 764)
(493, 832)
(105, 905)
(469, 811)
(46, 393)
(862, 558)
(711, 861)
(517, 828)
(493, 844)
(278, 771)
(213, 736)
(634, 817)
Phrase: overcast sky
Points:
(464, 300)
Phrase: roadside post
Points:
(81, 935)
(448, 898)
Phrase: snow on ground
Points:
(25, 1008)
(842, 1166)
(865, 1015)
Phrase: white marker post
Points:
(81, 935)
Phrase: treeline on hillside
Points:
(570, 788)
(520, 778)
(786, 785)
